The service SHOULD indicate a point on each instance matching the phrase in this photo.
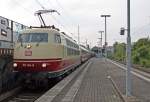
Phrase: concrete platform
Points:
(89, 83)
(96, 85)
(140, 81)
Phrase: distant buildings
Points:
(110, 50)
(100, 51)
(9, 32)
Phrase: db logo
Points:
(28, 53)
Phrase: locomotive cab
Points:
(44, 53)
(36, 49)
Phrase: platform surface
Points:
(91, 84)
(96, 85)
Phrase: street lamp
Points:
(105, 16)
(101, 32)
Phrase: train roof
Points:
(83, 48)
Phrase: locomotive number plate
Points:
(28, 53)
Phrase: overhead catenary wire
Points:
(26, 9)
(65, 11)
(37, 1)
(68, 18)
(65, 28)
(61, 16)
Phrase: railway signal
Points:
(122, 31)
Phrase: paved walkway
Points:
(140, 87)
(96, 86)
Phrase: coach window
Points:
(3, 32)
(57, 38)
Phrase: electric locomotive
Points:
(43, 53)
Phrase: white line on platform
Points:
(134, 73)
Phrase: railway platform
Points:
(89, 83)
(140, 81)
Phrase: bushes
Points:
(119, 51)
(145, 63)
(140, 52)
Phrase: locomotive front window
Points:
(33, 37)
(23, 38)
(39, 37)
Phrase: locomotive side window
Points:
(57, 38)
(73, 48)
(72, 44)
(3, 32)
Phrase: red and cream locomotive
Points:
(45, 53)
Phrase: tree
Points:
(141, 52)
(119, 51)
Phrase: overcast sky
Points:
(86, 13)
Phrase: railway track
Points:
(25, 95)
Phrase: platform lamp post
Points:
(101, 32)
(128, 53)
(99, 45)
(105, 16)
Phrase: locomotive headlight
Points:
(15, 64)
(44, 65)
(28, 46)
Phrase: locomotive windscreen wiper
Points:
(20, 40)
(37, 44)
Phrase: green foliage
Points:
(119, 51)
(140, 52)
